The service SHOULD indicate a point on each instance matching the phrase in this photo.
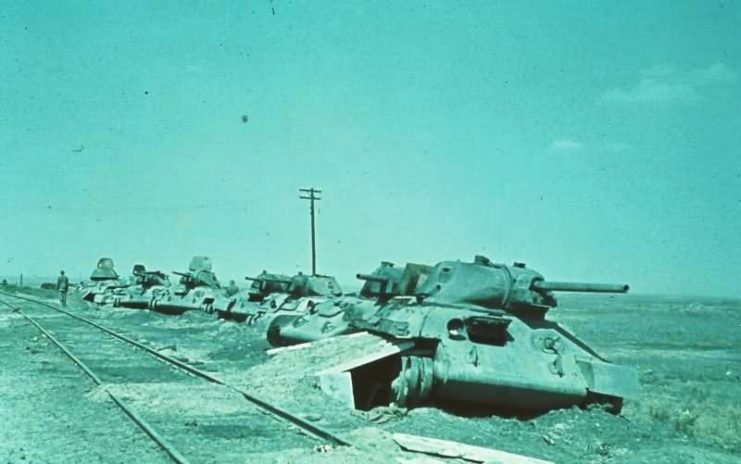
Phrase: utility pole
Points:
(312, 195)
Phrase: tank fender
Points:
(609, 379)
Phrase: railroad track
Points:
(124, 368)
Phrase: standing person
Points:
(63, 286)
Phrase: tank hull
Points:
(183, 300)
(102, 292)
(466, 357)
(328, 321)
(262, 313)
(531, 366)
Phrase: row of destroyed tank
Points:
(198, 289)
(475, 333)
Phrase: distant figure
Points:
(5, 283)
(232, 289)
(63, 286)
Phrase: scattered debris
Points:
(383, 414)
(323, 448)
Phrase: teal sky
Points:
(594, 140)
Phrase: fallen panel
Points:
(456, 450)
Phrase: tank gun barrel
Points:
(268, 279)
(546, 286)
(114, 287)
(148, 273)
(372, 278)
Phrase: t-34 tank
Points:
(481, 338)
(197, 290)
(145, 286)
(283, 300)
(232, 307)
(305, 294)
(104, 283)
(335, 317)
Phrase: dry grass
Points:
(708, 414)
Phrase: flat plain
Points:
(687, 352)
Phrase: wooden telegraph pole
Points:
(312, 195)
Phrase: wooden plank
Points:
(420, 460)
(453, 449)
(388, 348)
(301, 346)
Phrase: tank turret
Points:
(303, 285)
(198, 279)
(199, 274)
(388, 281)
(513, 288)
(104, 271)
(148, 279)
(265, 284)
(104, 282)
(383, 281)
(145, 286)
(197, 290)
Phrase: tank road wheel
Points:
(414, 383)
(273, 333)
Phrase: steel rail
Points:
(171, 451)
(309, 428)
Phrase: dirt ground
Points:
(687, 352)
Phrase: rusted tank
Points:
(234, 307)
(196, 290)
(274, 297)
(477, 335)
(266, 284)
(144, 287)
(104, 283)
(335, 317)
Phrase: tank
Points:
(104, 283)
(280, 299)
(197, 289)
(266, 284)
(335, 317)
(388, 281)
(478, 337)
(233, 307)
(144, 287)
